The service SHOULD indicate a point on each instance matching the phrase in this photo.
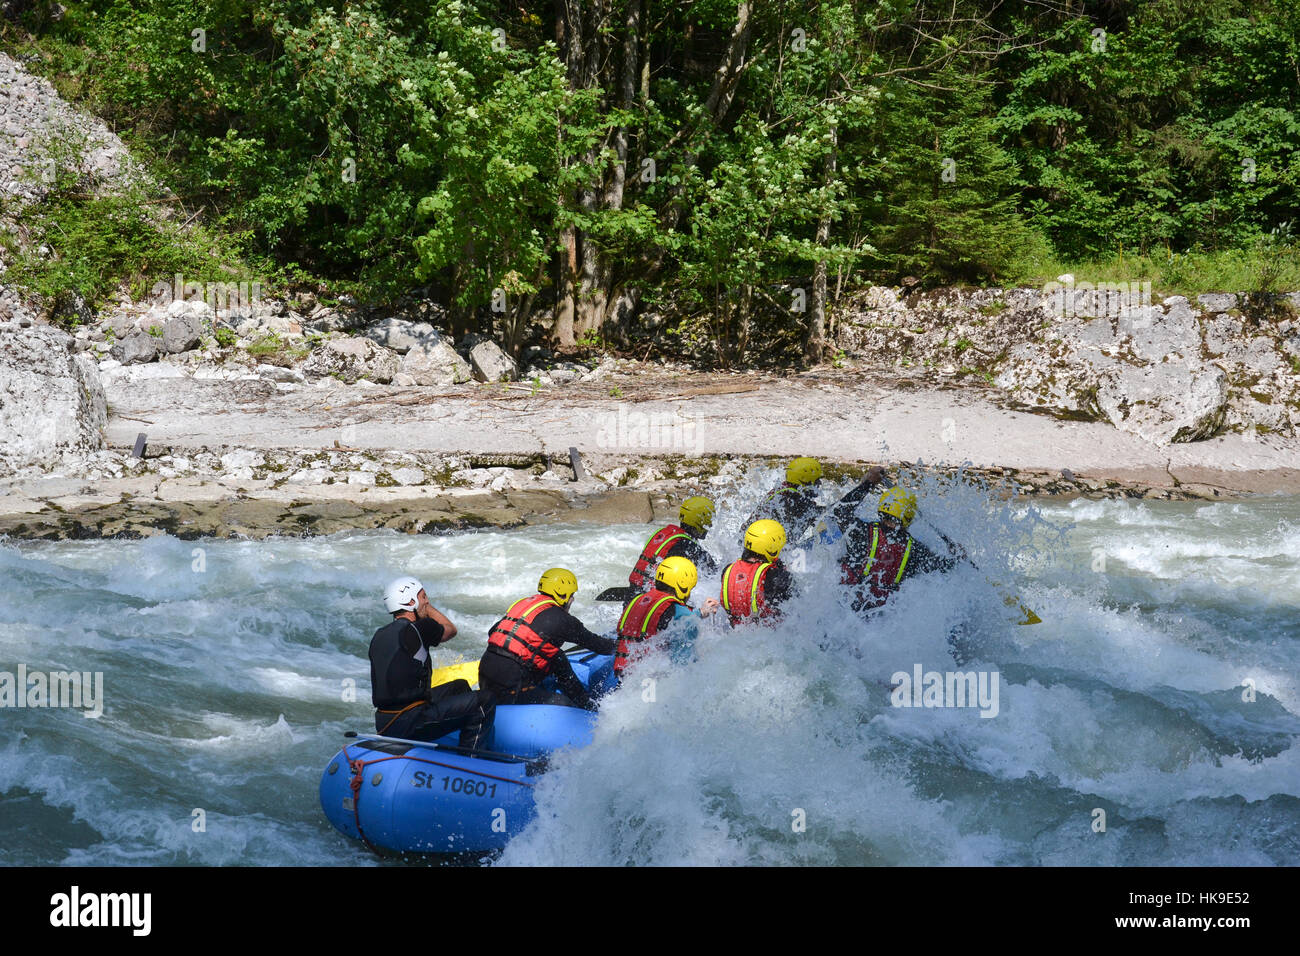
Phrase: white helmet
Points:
(402, 595)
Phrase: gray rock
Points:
(1217, 301)
(555, 373)
(438, 364)
(408, 476)
(136, 348)
(402, 335)
(1166, 402)
(52, 407)
(491, 364)
(121, 324)
(1155, 336)
(327, 320)
(182, 333)
(311, 476)
(352, 359)
(242, 458)
(277, 373)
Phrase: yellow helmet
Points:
(765, 537)
(803, 471)
(559, 583)
(678, 575)
(899, 503)
(697, 513)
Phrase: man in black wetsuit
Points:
(756, 586)
(524, 646)
(794, 504)
(681, 540)
(401, 670)
(879, 555)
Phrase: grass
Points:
(1271, 266)
(100, 244)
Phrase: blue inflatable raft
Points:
(410, 796)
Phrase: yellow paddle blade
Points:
(462, 670)
(1010, 600)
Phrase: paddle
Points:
(461, 670)
(1008, 598)
(487, 754)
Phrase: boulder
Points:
(242, 458)
(1155, 335)
(52, 407)
(556, 373)
(182, 333)
(436, 364)
(1164, 403)
(277, 373)
(402, 335)
(408, 476)
(1217, 301)
(326, 320)
(491, 363)
(352, 359)
(136, 348)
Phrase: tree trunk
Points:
(565, 289)
(814, 347)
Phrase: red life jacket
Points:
(641, 620)
(884, 568)
(742, 590)
(515, 633)
(660, 543)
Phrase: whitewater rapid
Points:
(1160, 690)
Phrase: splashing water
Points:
(232, 668)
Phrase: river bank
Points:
(250, 458)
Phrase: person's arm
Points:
(562, 627)
(778, 586)
(704, 562)
(845, 506)
(430, 613)
(683, 630)
(924, 560)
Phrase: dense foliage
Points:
(742, 161)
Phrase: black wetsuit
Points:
(405, 704)
(875, 589)
(842, 510)
(795, 507)
(512, 681)
(692, 550)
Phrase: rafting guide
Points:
(946, 689)
(77, 689)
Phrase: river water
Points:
(1150, 719)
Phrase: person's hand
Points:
(710, 607)
(875, 476)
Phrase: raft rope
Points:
(399, 713)
(359, 766)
